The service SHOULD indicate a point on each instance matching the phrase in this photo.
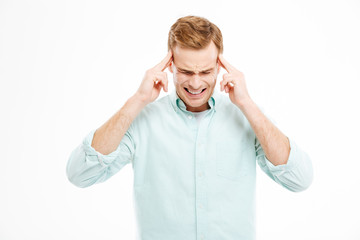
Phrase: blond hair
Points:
(195, 33)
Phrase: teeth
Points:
(194, 92)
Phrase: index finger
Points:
(225, 64)
(165, 62)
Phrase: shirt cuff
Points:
(290, 164)
(94, 155)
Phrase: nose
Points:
(195, 82)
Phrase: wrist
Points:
(245, 103)
(139, 100)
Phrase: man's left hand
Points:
(233, 83)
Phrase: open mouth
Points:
(195, 93)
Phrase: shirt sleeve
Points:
(86, 166)
(296, 175)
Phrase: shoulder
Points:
(228, 113)
(224, 105)
(159, 106)
(152, 113)
(156, 109)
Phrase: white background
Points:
(68, 66)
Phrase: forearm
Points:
(107, 138)
(274, 143)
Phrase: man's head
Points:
(196, 44)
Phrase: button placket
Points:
(200, 179)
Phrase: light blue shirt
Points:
(191, 181)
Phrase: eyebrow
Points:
(184, 70)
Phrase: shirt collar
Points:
(178, 104)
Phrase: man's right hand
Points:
(155, 78)
(108, 137)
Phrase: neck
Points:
(198, 109)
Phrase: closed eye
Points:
(190, 73)
(187, 73)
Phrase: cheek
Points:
(175, 79)
(212, 82)
(177, 84)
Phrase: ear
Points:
(170, 67)
(218, 66)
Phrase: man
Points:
(194, 151)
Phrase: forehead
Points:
(191, 59)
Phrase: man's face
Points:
(195, 73)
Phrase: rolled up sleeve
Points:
(296, 175)
(86, 166)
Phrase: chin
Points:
(196, 105)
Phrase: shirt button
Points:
(190, 117)
(200, 174)
(200, 206)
